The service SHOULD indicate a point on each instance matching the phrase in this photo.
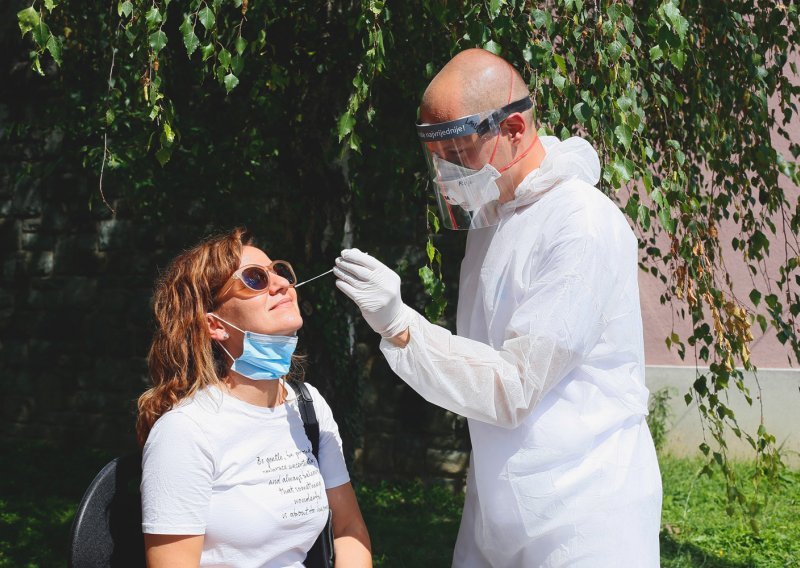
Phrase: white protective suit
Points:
(548, 366)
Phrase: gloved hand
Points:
(375, 288)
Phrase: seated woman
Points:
(228, 476)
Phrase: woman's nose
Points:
(277, 283)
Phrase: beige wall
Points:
(776, 398)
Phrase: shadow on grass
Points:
(675, 554)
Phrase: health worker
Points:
(548, 360)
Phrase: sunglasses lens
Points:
(255, 278)
(284, 270)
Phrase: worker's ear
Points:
(514, 127)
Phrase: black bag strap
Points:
(306, 406)
(322, 553)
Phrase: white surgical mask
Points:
(469, 189)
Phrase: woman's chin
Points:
(287, 325)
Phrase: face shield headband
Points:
(480, 124)
(465, 184)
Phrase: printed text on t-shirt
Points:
(295, 473)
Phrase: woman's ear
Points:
(215, 328)
(514, 127)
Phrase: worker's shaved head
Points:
(473, 81)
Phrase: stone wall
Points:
(74, 321)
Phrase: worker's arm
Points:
(555, 325)
(400, 340)
(470, 378)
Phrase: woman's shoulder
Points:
(188, 413)
(180, 418)
(312, 390)
(320, 404)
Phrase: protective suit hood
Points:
(572, 158)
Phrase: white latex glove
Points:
(375, 288)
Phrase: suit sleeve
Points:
(557, 323)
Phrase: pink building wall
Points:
(766, 350)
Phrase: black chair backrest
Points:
(107, 529)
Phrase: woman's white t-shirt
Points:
(242, 475)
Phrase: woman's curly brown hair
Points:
(182, 358)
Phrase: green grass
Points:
(696, 530)
(40, 488)
(412, 524)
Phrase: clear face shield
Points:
(459, 155)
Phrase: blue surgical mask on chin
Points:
(264, 357)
